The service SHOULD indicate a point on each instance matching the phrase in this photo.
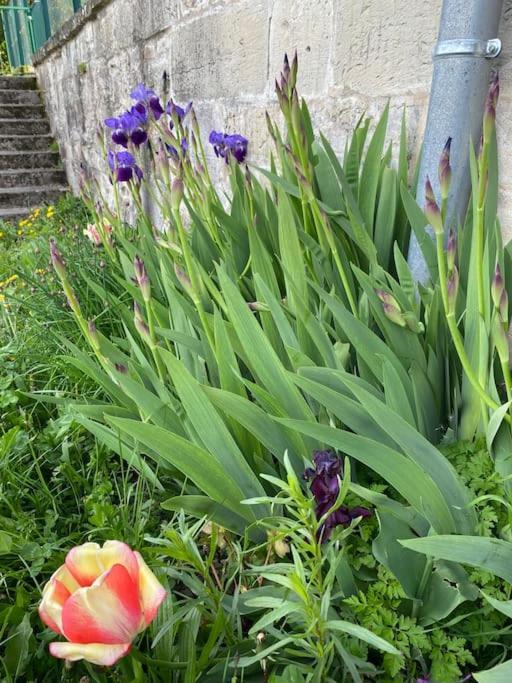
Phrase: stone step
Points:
(22, 160)
(30, 195)
(12, 96)
(21, 111)
(25, 127)
(25, 143)
(18, 82)
(14, 214)
(31, 177)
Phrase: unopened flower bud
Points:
(142, 328)
(452, 286)
(183, 278)
(497, 286)
(270, 126)
(162, 161)
(142, 279)
(93, 334)
(279, 546)
(387, 298)
(432, 212)
(391, 308)
(490, 108)
(56, 258)
(177, 191)
(285, 73)
(451, 250)
(137, 311)
(394, 314)
(445, 170)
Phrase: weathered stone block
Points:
(157, 63)
(222, 54)
(196, 6)
(155, 16)
(385, 47)
(307, 27)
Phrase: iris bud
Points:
(142, 279)
(451, 250)
(453, 289)
(177, 191)
(445, 170)
(432, 212)
(490, 107)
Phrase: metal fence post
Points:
(8, 38)
(46, 19)
(17, 23)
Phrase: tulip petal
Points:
(152, 593)
(86, 562)
(55, 593)
(107, 612)
(82, 562)
(50, 609)
(95, 653)
(116, 552)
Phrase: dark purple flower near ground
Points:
(325, 487)
(174, 110)
(129, 127)
(146, 97)
(229, 145)
(124, 167)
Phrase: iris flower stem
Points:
(320, 220)
(455, 334)
(479, 247)
(154, 346)
(196, 284)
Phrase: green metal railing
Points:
(28, 24)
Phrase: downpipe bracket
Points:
(468, 47)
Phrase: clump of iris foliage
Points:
(312, 448)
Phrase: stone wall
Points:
(355, 55)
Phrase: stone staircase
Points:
(30, 170)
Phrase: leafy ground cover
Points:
(310, 450)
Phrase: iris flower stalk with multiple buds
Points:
(448, 273)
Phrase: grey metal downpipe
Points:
(463, 59)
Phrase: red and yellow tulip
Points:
(99, 600)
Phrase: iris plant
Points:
(124, 166)
(325, 487)
(229, 145)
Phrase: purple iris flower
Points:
(325, 487)
(129, 127)
(174, 109)
(124, 166)
(174, 152)
(146, 97)
(226, 145)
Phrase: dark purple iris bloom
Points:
(226, 145)
(129, 127)
(325, 487)
(124, 166)
(174, 152)
(174, 109)
(146, 97)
